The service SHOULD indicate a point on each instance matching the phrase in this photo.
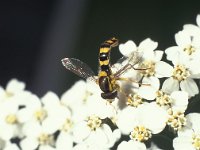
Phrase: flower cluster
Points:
(151, 107)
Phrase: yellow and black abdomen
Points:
(106, 80)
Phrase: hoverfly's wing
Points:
(125, 63)
(135, 58)
(79, 68)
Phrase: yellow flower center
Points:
(176, 119)
(162, 99)
(67, 125)
(45, 139)
(196, 141)
(134, 100)
(141, 134)
(189, 49)
(180, 73)
(40, 114)
(149, 68)
(11, 119)
(94, 122)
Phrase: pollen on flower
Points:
(94, 122)
(148, 68)
(180, 73)
(67, 125)
(40, 114)
(162, 99)
(141, 134)
(45, 139)
(134, 100)
(196, 141)
(176, 119)
(11, 119)
(189, 49)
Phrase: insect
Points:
(106, 78)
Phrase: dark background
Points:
(36, 34)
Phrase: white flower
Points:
(187, 46)
(182, 75)
(146, 47)
(94, 132)
(177, 100)
(13, 88)
(189, 137)
(143, 121)
(9, 120)
(193, 29)
(126, 119)
(37, 135)
(130, 145)
(78, 94)
(151, 65)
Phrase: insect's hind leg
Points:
(130, 80)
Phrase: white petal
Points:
(170, 85)
(14, 86)
(50, 99)
(192, 29)
(127, 48)
(198, 20)
(124, 123)
(190, 86)
(194, 119)
(29, 143)
(102, 137)
(186, 131)
(163, 69)
(182, 38)
(182, 143)
(64, 141)
(194, 67)
(158, 55)
(117, 134)
(104, 109)
(180, 100)
(147, 45)
(131, 145)
(8, 131)
(81, 132)
(46, 147)
(32, 129)
(11, 146)
(73, 98)
(152, 81)
(152, 117)
(173, 53)
(147, 92)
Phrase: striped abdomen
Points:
(104, 56)
(106, 79)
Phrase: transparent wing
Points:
(79, 68)
(125, 62)
(135, 58)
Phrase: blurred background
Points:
(36, 34)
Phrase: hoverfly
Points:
(106, 78)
